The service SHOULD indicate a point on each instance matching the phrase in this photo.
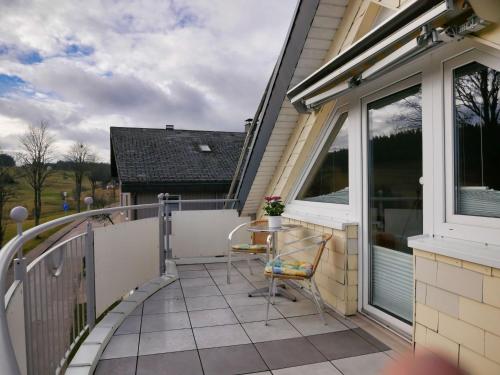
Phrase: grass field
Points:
(57, 183)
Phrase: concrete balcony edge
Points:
(89, 352)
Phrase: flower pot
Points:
(274, 221)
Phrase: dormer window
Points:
(205, 148)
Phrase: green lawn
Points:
(57, 182)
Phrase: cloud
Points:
(194, 63)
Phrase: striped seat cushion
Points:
(258, 248)
(290, 268)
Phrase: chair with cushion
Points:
(282, 267)
(251, 249)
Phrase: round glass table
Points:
(280, 289)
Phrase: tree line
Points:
(35, 162)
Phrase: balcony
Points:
(142, 296)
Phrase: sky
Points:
(83, 66)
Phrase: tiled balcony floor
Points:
(201, 325)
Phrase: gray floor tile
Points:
(216, 266)
(260, 284)
(121, 346)
(243, 265)
(322, 368)
(209, 318)
(289, 353)
(201, 291)
(239, 359)
(261, 373)
(138, 310)
(131, 324)
(242, 299)
(175, 285)
(342, 319)
(163, 306)
(341, 344)
(255, 277)
(313, 325)
(220, 272)
(393, 354)
(206, 303)
(179, 363)
(255, 313)
(212, 337)
(298, 308)
(191, 274)
(190, 267)
(371, 339)
(258, 274)
(118, 366)
(235, 279)
(167, 293)
(166, 342)
(236, 288)
(165, 322)
(369, 364)
(200, 281)
(278, 329)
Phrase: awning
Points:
(408, 33)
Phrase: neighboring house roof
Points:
(143, 158)
(306, 46)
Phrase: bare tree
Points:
(98, 172)
(37, 152)
(478, 90)
(79, 156)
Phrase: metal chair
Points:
(251, 249)
(277, 269)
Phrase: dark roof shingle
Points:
(174, 155)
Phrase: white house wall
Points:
(326, 22)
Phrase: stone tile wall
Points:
(337, 274)
(457, 311)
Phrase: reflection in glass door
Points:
(394, 198)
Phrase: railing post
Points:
(161, 233)
(88, 202)
(90, 268)
(168, 226)
(18, 215)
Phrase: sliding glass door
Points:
(394, 199)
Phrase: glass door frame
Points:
(383, 317)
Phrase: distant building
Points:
(187, 164)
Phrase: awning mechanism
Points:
(366, 60)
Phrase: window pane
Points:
(394, 198)
(328, 180)
(477, 140)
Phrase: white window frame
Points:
(364, 297)
(447, 222)
(330, 214)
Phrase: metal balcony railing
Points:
(53, 302)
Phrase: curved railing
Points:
(57, 289)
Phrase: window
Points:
(328, 180)
(476, 140)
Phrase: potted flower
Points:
(274, 207)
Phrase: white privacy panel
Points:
(126, 256)
(204, 233)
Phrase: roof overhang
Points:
(176, 187)
(413, 30)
